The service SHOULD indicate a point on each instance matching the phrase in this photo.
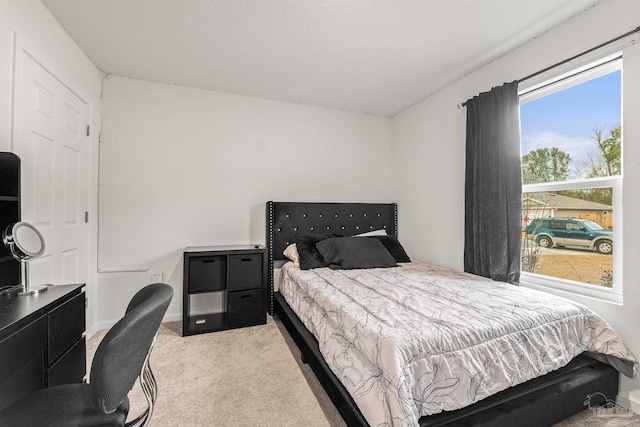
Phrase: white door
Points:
(51, 140)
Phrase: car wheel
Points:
(545, 242)
(604, 247)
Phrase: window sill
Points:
(570, 289)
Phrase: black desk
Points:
(42, 341)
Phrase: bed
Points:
(426, 392)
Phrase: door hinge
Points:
(88, 130)
(86, 217)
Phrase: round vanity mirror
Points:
(26, 239)
(25, 242)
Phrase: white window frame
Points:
(565, 81)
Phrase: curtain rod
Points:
(636, 30)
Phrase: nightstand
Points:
(224, 287)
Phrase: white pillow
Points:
(372, 233)
(291, 252)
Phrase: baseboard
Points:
(107, 324)
(91, 332)
(173, 317)
(634, 404)
(630, 401)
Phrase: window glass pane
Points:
(569, 235)
(573, 133)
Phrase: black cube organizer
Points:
(236, 276)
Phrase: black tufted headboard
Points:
(286, 219)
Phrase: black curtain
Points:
(493, 185)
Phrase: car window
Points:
(556, 225)
(594, 226)
(574, 226)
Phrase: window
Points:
(571, 133)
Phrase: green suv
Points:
(550, 232)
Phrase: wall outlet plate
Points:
(155, 278)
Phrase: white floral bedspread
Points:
(419, 339)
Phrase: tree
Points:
(545, 165)
(598, 195)
(605, 160)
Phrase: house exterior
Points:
(551, 205)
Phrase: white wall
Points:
(429, 157)
(35, 26)
(188, 167)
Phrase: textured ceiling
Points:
(370, 56)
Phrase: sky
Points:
(567, 118)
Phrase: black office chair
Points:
(121, 358)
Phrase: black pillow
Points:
(355, 252)
(393, 246)
(307, 251)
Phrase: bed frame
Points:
(538, 402)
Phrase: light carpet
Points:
(248, 377)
